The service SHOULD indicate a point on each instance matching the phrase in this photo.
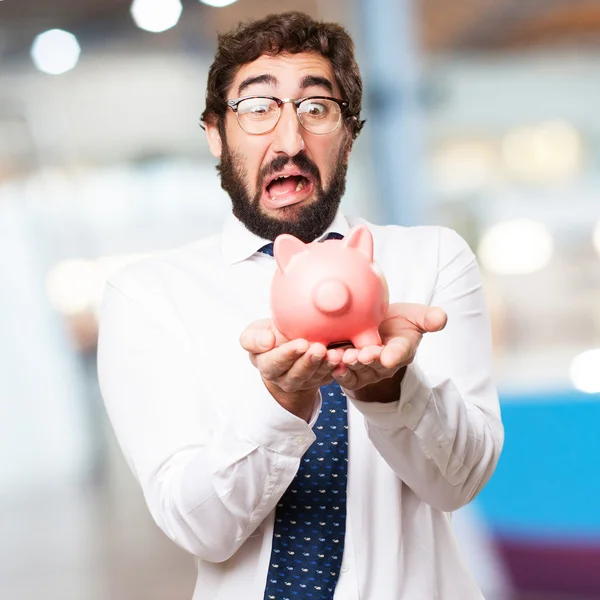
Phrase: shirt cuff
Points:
(317, 411)
(266, 423)
(407, 411)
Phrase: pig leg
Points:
(370, 337)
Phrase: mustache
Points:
(300, 160)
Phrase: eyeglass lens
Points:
(259, 115)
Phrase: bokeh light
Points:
(516, 247)
(218, 3)
(156, 15)
(464, 167)
(77, 285)
(55, 51)
(550, 152)
(585, 371)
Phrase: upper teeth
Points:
(299, 185)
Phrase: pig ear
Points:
(361, 238)
(285, 247)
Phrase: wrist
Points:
(300, 403)
(384, 391)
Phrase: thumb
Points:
(258, 337)
(424, 318)
(434, 319)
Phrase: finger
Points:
(435, 319)
(367, 371)
(276, 362)
(374, 367)
(357, 375)
(374, 371)
(346, 378)
(424, 318)
(258, 337)
(335, 355)
(340, 370)
(326, 367)
(400, 350)
(307, 365)
(369, 354)
(363, 372)
(350, 356)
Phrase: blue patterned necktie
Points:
(310, 518)
(268, 248)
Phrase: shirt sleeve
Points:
(208, 481)
(444, 435)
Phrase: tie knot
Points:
(268, 248)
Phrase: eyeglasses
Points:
(260, 114)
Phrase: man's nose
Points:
(288, 132)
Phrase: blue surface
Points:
(547, 483)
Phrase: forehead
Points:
(288, 69)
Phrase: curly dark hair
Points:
(292, 33)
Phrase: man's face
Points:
(304, 204)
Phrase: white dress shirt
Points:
(214, 452)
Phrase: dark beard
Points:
(304, 222)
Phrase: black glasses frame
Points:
(234, 103)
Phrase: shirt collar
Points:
(238, 244)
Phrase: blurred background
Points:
(482, 115)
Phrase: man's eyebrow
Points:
(265, 78)
(316, 80)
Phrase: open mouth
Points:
(284, 190)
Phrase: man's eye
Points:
(315, 109)
(255, 108)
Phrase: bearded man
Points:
(291, 470)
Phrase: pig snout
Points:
(332, 297)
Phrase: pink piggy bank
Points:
(330, 291)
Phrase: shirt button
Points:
(344, 569)
(300, 440)
(407, 408)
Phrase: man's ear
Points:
(214, 139)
